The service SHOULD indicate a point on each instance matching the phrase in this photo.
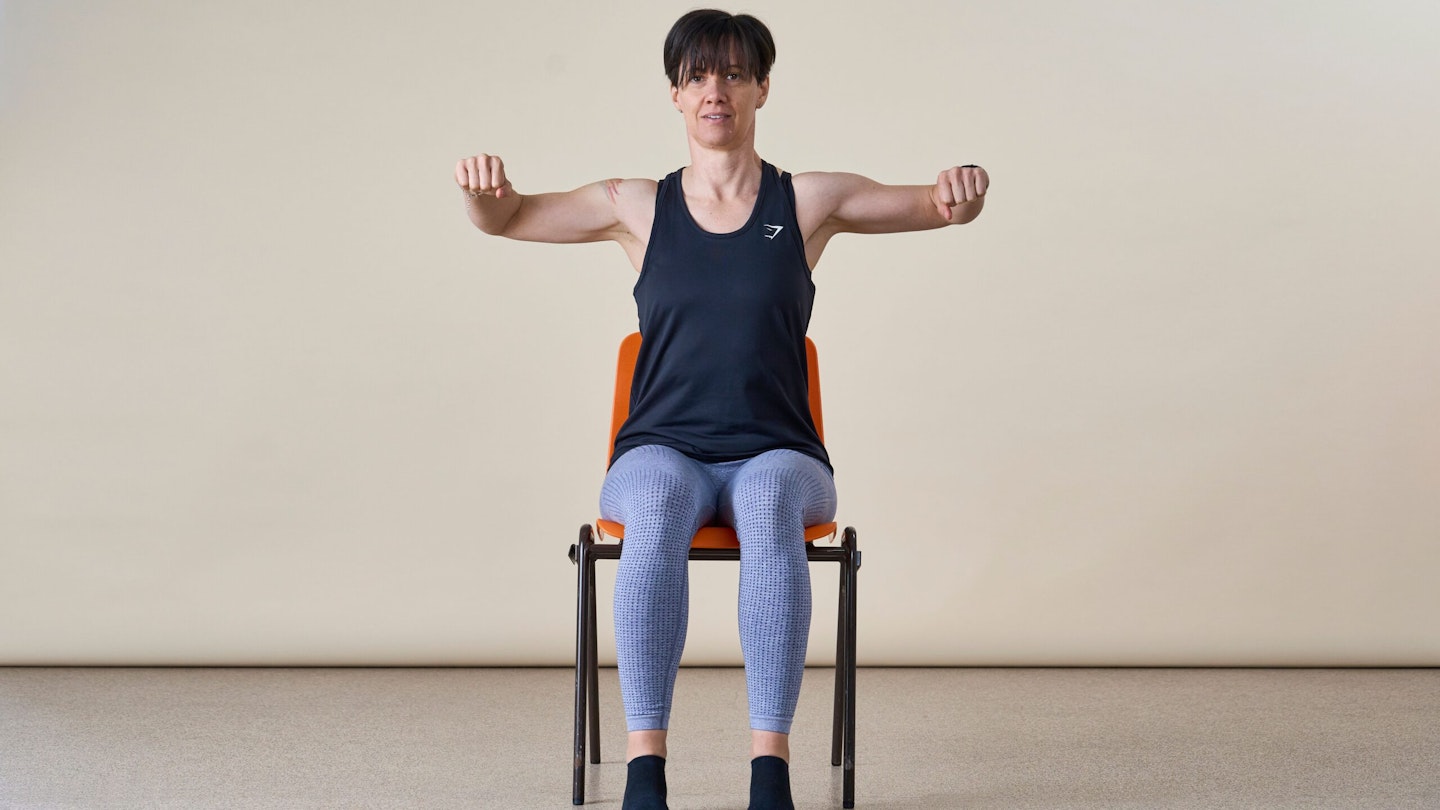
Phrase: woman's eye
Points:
(734, 77)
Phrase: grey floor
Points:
(928, 738)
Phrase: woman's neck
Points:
(722, 175)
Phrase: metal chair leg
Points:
(580, 555)
(593, 669)
(852, 570)
(837, 731)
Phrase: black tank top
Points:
(721, 373)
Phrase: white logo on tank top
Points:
(772, 230)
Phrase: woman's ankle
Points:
(769, 744)
(650, 742)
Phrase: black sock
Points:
(645, 784)
(770, 784)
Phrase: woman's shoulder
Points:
(632, 191)
(822, 187)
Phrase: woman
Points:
(719, 426)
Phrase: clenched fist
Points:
(483, 174)
(959, 185)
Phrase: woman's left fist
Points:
(959, 185)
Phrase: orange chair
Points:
(710, 543)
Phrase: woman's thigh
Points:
(780, 480)
(653, 481)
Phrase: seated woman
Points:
(719, 426)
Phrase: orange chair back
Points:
(625, 373)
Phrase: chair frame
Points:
(591, 548)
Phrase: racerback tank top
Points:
(721, 374)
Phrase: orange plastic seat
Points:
(714, 536)
(605, 539)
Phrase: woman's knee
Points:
(653, 483)
(782, 485)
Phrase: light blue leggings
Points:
(663, 496)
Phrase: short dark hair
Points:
(706, 39)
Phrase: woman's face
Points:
(719, 106)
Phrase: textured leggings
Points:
(663, 496)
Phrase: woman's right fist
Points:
(483, 174)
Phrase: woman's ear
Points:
(764, 93)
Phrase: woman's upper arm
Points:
(839, 202)
(592, 213)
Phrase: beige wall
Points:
(268, 398)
